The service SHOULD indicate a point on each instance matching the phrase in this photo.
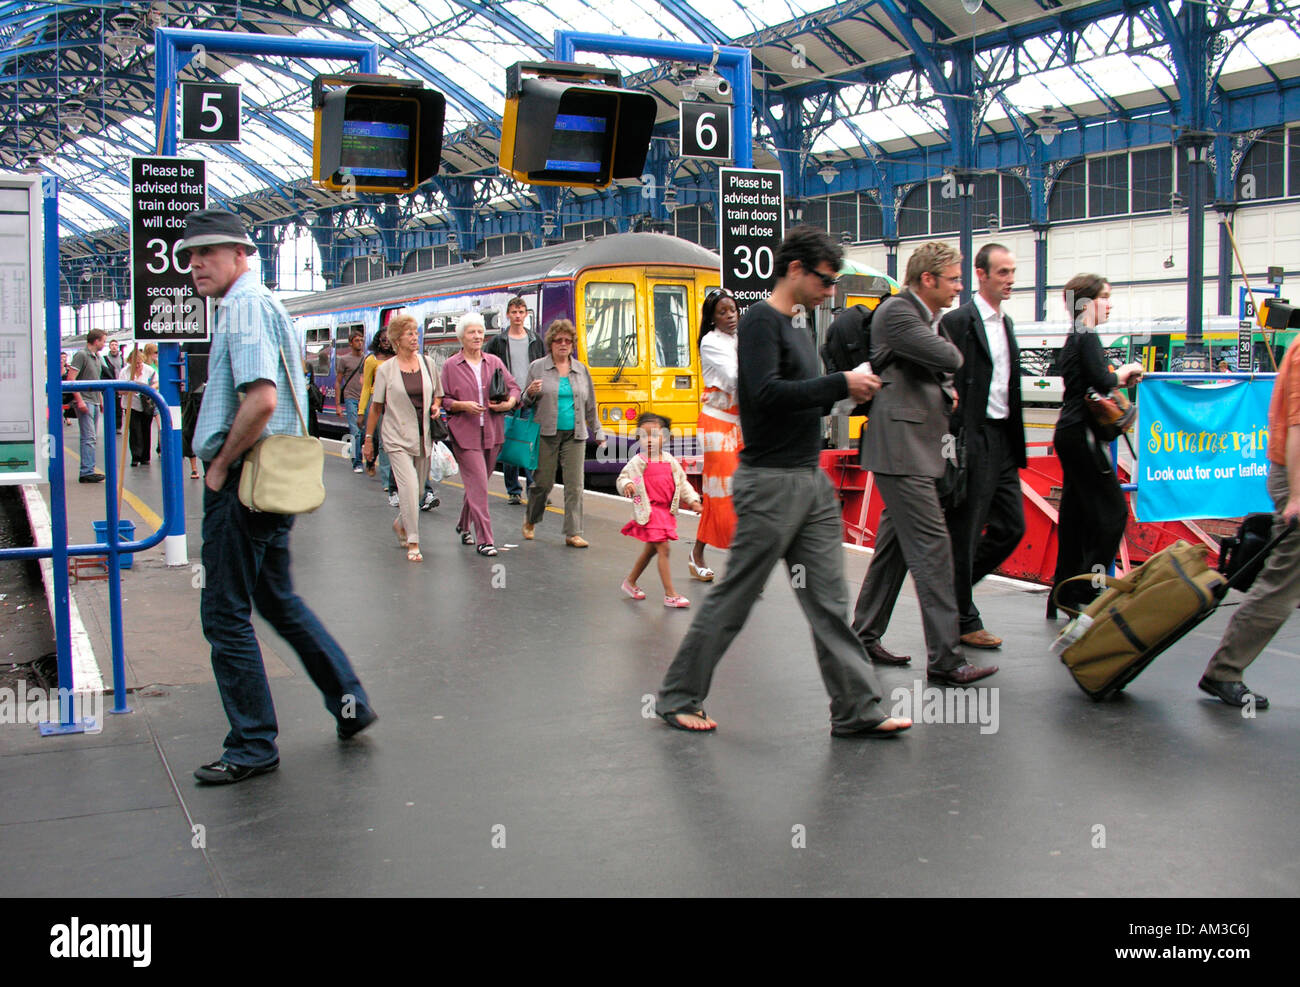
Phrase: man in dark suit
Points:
(989, 524)
(906, 440)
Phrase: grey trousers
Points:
(410, 474)
(570, 453)
(1272, 598)
(913, 536)
(791, 515)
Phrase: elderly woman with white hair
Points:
(478, 391)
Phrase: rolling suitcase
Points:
(1136, 618)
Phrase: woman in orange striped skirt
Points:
(718, 427)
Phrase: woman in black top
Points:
(1093, 511)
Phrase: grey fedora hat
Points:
(209, 227)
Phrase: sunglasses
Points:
(829, 280)
(718, 293)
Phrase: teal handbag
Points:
(523, 441)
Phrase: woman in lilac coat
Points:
(477, 430)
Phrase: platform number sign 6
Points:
(210, 112)
(706, 131)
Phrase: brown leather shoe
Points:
(880, 656)
(576, 541)
(528, 531)
(963, 674)
(981, 639)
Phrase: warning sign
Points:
(753, 224)
(165, 305)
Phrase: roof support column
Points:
(1040, 270)
(1226, 211)
(1196, 146)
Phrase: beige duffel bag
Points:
(1137, 617)
(283, 474)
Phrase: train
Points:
(634, 299)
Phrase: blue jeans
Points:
(510, 472)
(246, 563)
(350, 411)
(88, 421)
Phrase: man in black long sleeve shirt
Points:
(785, 508)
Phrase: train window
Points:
(610, 311)
(343, 331)
(672, 326)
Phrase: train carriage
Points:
(634, 298)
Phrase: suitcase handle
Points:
(1111, 583)
(1263, 552)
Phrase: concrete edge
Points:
(86, 677)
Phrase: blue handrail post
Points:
(114, 553)
(58, 552)
(734, 64)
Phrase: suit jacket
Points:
(401, 427)
(909, 416)
(966, 328)
(459, 383)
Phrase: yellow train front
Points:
(634, 298)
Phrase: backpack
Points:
(848, 345)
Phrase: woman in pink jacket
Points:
(475, 421)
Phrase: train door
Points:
(333, 399)
(674, 358)
(613, 346)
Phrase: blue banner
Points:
(1202, 449)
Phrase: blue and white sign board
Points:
(24, 439)
(1202, 449)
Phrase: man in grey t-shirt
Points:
(517, 347)
(87, 364)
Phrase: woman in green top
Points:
(559, 390)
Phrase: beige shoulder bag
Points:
(282, 474)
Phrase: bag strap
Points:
(1111, 583)
(293, 391)
(348, 379)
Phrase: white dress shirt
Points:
(995, 332)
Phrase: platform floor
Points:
(513, 756)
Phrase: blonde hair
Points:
(400, 324)
(467, 320)
(930, 258)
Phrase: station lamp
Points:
(572, 125)
(375, 134)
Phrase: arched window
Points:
(1261, 175)
(914, 214)
(1069, 199)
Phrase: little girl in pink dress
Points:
(656, 483)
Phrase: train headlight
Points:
(616, 414)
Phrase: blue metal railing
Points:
(112, 549)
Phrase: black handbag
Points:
(438, 430)
(497, 390)
(951, 487)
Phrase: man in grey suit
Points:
(905, 448)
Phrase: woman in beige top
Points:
(408, 394)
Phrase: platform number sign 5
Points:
(752, 225)
(706, 131)
(210, 112)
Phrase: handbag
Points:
(282, 474)
(523, 442)
(1112, 414)
(951, 487)
(438, 430)
(497, 390)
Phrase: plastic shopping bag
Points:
(442, 463)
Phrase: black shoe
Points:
(1232, 693)
(91, 478)
(135, 462)
(224, 773)
(353, 725)
(514, 500)
(430, 501)
(963, 674)
(877, 653)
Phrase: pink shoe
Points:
(633, 591)
(679, 602)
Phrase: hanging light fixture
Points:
(1047, 129)
(827, 173)
(972, 6)
(74, 116)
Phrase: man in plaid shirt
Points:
(245, 553)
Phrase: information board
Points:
(753, 225)
(1245, 346)
(165, 306)
(24, 438)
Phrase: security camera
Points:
(711, 83)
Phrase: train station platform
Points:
(514, 757)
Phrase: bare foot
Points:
(893, 725)
(699, 721)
